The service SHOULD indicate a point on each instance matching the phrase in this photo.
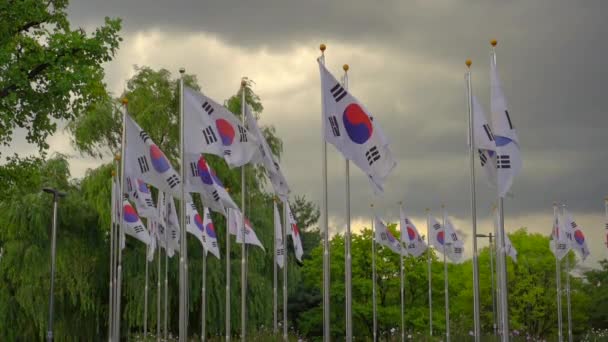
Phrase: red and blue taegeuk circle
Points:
(295, 229)
(198, 221)
(579, 237)
(411, 233)
(226, 131)
(440, 237)
(357, 123)
(211, 230)
(159, 161)
(203, 171)
(143, 187)
(130, 213)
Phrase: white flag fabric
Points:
(211, 128)
(167, 234)
(235, 222)
(153, 243)
(115, 212)
(575, 236)
(147, 162)
(294, 231)
(202, 228)
(278, 237)
(385, 237)
(202, 178)
(173, 230)
(484, 142)
(559, 242)
(133, 225)
(508, 158)
(140, 194)
(277, 179)
(414, 244)
(509, 248)
(352, 130)
(436, 233)
(454, 245)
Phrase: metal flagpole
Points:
(476, 320)
(183, 246)
(158, 288)
(285, 259)
(428, 254)
(568, 303)
(504, 304)
(125, 102)
(112, 260)
(347, 242)
(204, 299)
(166, 316)
(243, 246)
(606, 212)
(498, 325)
(492, 250)
(146, 299)
(401, 276)
(375, 321)
(228, 332)
(275, 305)
(558, 283)
(445, 282)
(325, 225)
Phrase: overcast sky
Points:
(407, 65)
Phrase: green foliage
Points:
(49, 71)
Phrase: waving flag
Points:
(147, 162)
(559, 242)
(484, 142)
(351, 129)
(140, 194)
(201, 178)
(211, 128)
(267, 158)
(116, 207)
(167, 234)
(235, 222)
(385, 237)
(152, 244)
(202, 228)
(454, 245)
(436, 233)
(575, 236)
(294, 231)
(133, 225)
(278, 237)
(509, 248)
(508, 159)
(410, 236)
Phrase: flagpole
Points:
(375, 322)
(166, 316)
(476, 320)
(401, 276)
(243, 246)
(347, 241)
(445, 283)
(606, 213)
(125, 102)
(146, 297)
(183, 246)
(275, 276)
(228, 332)
(568, 288)
(498, 325)
(428, 253)
(158, 287)
(325, 226)
(492, 250)
(285, 258)
(204, 298)
(112, 252)
(504, 305)
(558, 281)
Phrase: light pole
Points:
(490, 237)
(56, 195)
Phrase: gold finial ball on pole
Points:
(182, 70)
(117, 157)
(124, 101)
(468, 62)
(345, 67)
(493, 42)
(243, 83)
(322, 47)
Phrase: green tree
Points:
(49, 70)
(598, 292)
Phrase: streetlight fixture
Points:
(56, 195)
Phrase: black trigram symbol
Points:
(193, 206)
(174, 234)
(138, 229)
(372, 155)
(508, 119)
(407, 221)
(503, 161)
(606, 225)
(573, 225)
(207, 108)
(280, 251)
(215, 195)
(458, 250)
(194, 169)
(437, 226)
(187, 219)
(338, 92)
(454, 237)
(149, 202)
(333, 122)
(262, 150)
(204, 238)
(488, 130)
(143, 164)
(173, 181)
(144, 136)
(482, 158)
(209, 135)
(129, 184)
(569, 236)
(242, 133)
(561, 246)
(161, 229)
(276, 166)
(227, 152)
(214, 244)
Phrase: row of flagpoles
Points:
(207, 127)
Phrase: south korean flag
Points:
(140, 194)
(484, 142)
(235, 224)
(384, 236)
(202, 229)
(147, 162)
(278, 237)
(454, 245)
(352, 130)
(133, 225)
(211, 128)
(201, 178)
(575, 236)
(410, 237)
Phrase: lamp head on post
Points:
(56, 193)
